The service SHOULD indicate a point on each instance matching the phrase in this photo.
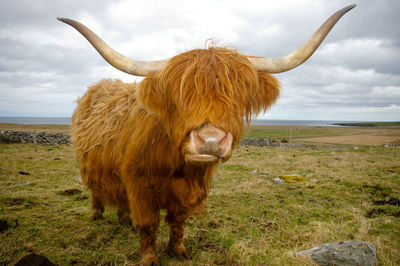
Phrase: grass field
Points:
(250, 220)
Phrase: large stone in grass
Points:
(347, 253)
(34, 260)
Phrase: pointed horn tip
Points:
(277, 65)
(65, 20)
(350, 7)
(344, 10)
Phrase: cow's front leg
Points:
(148, 246)
(145, 215)
(176, 247)
(147, 222)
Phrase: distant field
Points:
(371, 124)
(370, 136)
(38, 128)
(374, 135)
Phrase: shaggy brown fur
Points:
(130, 138)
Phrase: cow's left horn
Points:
(296, 58)
(134, 67)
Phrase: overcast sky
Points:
(45, 65)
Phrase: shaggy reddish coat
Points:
(131, 139)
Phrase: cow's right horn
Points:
(133, 67)
(298, 57)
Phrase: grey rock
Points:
(28, 184)
(255, 172)
(347, 253)
(34, 260)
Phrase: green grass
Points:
(250, 220)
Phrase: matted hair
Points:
(217, 85)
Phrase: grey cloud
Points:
(42, 13)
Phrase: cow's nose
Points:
(212, 140)
(210, 136)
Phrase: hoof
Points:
(149, 259)
(183, 257)
(97, 216)
(179, 252)
(124, 218)
(152, 264)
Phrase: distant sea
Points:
(36, 120)
(67, 121)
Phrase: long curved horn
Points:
(137, 68)
(296, 58)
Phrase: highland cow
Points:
(154, 145)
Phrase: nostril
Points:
(226, 142)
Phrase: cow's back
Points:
(100, 132)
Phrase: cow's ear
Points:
(264, 96)
(150, 96)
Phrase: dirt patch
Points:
(4, 225)
(23, 173)
(391, 201)
(13, 201)
(69, 192)
(394, 169)
(81, 198)
(375, 212)
(19, 202)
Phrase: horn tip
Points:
(350, 7)
(65, 20)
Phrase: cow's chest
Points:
(185, 192)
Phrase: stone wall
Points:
(392, 144)
(11, 136)
(261, 142)
(43, 138)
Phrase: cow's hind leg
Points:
(176, 247)
(124, 215)
(97, 206)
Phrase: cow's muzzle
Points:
(208, 144)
